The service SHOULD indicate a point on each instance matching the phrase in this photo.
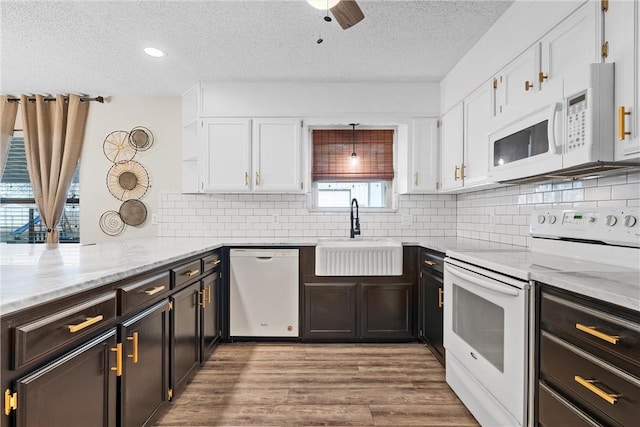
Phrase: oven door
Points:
(530, 145)
(486, 330)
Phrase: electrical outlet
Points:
(154, 219)
(406, 220)
(492, 219)
(275, 218)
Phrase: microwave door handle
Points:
(482, 282)
(551, 129)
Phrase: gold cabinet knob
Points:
(528, 85)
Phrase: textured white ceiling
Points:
(95, 47)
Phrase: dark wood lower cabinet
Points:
(210, 327)
(431, 297)
(145, 378)
(185, 346)
(330, 310)
(386, 310)
(78, 389)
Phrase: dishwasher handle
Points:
(264, 258)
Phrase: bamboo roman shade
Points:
(332, 155)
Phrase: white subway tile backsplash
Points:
(628, 191)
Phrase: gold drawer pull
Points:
(431, 263)
(528, 85)
(209, 297)
(440, 300)
(118, 368)
(588, 384)
(455, 173)
(134, 345)
(153, 291)
(10, 401)
(80, 326)
(591, 330)
(215, 262)
(192, 273)
(622, 133)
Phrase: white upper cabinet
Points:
(424, 156)
(225, 155)
(240, 155)
(621, 28)
(516, 83)
(477, 119)
(276, 155)
(452, 161)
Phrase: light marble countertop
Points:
(32, 274)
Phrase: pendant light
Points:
(323, 4)
(354, 155)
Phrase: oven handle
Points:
(472, 277)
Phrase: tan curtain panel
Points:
(53, 138)
(332, 155)
(8, 112)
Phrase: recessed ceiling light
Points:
(152, 51)
(323, 4)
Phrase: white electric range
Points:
(488, 310)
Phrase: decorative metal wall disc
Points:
(140, 138)
(111, 223)
(117, 148)
(128, 180)
(133, 212)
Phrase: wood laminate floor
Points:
(267, 384)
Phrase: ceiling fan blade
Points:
(347, 13)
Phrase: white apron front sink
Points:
(359, 257)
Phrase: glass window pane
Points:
(339, 194)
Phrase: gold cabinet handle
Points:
(588, 384)
(215, 262)
(192, 273)
(209, 293)
(591, 330)
(455, 173)
(246, 178)
(203, 299)
(462, 166)
(622, 133)
(134, 345)
(415, 178)
(542, 77)
(90, 321)
(528, 85)
(440, 300)
(257, 179)
(153, 291)
(118, 368)
(432, 263)
(10, 401)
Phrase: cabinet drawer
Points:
(35, 339)
(596, 386)
(211, 262)
(143, 291)
(431, 260)
(610, 333)
(554, 410)
(184, 273)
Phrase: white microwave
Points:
(573, 130)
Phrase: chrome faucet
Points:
(355, 230)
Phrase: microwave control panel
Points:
(576, 121)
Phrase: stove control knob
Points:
(551, 219)
(630, 220)
(611, 220)
(591, 219)
(541, 219)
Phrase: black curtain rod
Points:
(99, 99)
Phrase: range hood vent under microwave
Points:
(591, 170)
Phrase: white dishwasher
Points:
(264, 293)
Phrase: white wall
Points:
(159, 114)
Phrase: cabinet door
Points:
(451, 129)
(225, 155)
(622, 22)
(386, 310)
(433, 306)
(210, 327)
(516, 83)
(145, 379)
(79, 389)
(330, 310)
(570, 47)
(477, 117)
(277, 155)
(424, 155)
(185, 343)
